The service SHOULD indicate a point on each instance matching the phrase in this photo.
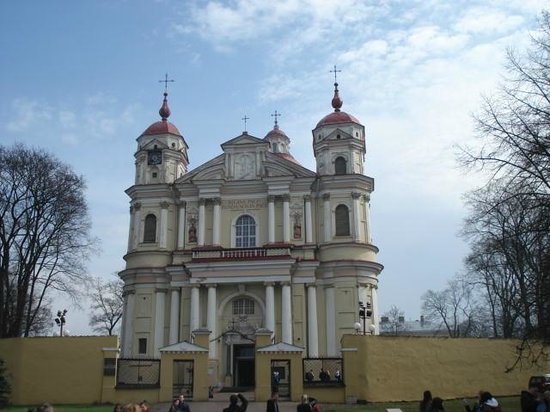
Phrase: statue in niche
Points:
(192, 232)
(297, 229)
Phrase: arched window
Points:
(342, 220)
(340, 166)
(245, 232)
(150, 232)
(243, 306)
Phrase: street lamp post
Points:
(60, 320)
(364, 313)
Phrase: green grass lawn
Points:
(508, 404)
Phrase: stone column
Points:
(194, 315)
(137, 224)
(327, 217)
(368, 235)
(286, 310)
(309, 220)
(374, 302)
(216, 221)
(181, 225)
(160, 302)
(127, 346)
(312, 333)
(131, 231)
(211, 320)
(331, 320)
(174, 316)
(270, 307)
(286, 218)
(271, 218)
(202, 223)
(356, 216)
(163, 224)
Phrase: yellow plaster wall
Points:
(56, 369)
(200, 374)
(383, 368)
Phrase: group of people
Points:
(486, 403)
(45, 407)
(179, 405)
(535, 400)
(324, 376)
(132, 407)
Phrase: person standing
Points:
(234, 403)
(273, 402)
(183, 406)
(426, 402)
(304, 405)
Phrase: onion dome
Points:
(163, 126)
(337, 116)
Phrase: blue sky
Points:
(80, 79)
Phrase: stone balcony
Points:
(257, 253)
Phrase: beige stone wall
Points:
(56, 369)
(382, 368)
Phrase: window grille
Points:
(245, 232)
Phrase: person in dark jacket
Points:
(426, 402)
(273, 402)
(437, 405)
(234, 403)
(304, 405)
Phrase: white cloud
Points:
(28, 114)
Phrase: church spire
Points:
(336, 101)
(165, 110)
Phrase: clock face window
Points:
(154, 157)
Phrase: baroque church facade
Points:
(250, 240)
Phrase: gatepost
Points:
(266, 352)
(185, 351)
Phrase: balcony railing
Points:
(241, 254)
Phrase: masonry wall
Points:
(55, 369)
(384, 368)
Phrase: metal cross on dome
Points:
(166, 81)
(335, 71)
(275, 115)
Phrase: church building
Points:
(250, 240)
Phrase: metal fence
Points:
(320, 371)
(138, 373)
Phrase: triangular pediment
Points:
(279, 166)
(150, 145)
(183, 347)
(338, 134)
(242, 140)
(212, 170)
(281, 347)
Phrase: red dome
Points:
(161, 127)
(276, 132)
(338, 117)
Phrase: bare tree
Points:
(44, 235)
(107, 305)
(509, 224)
(393, 321)
(454, 308)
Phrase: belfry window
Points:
(150, 231)
(342, 220)
(245, 232)
(340, 166)
(243, 306)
